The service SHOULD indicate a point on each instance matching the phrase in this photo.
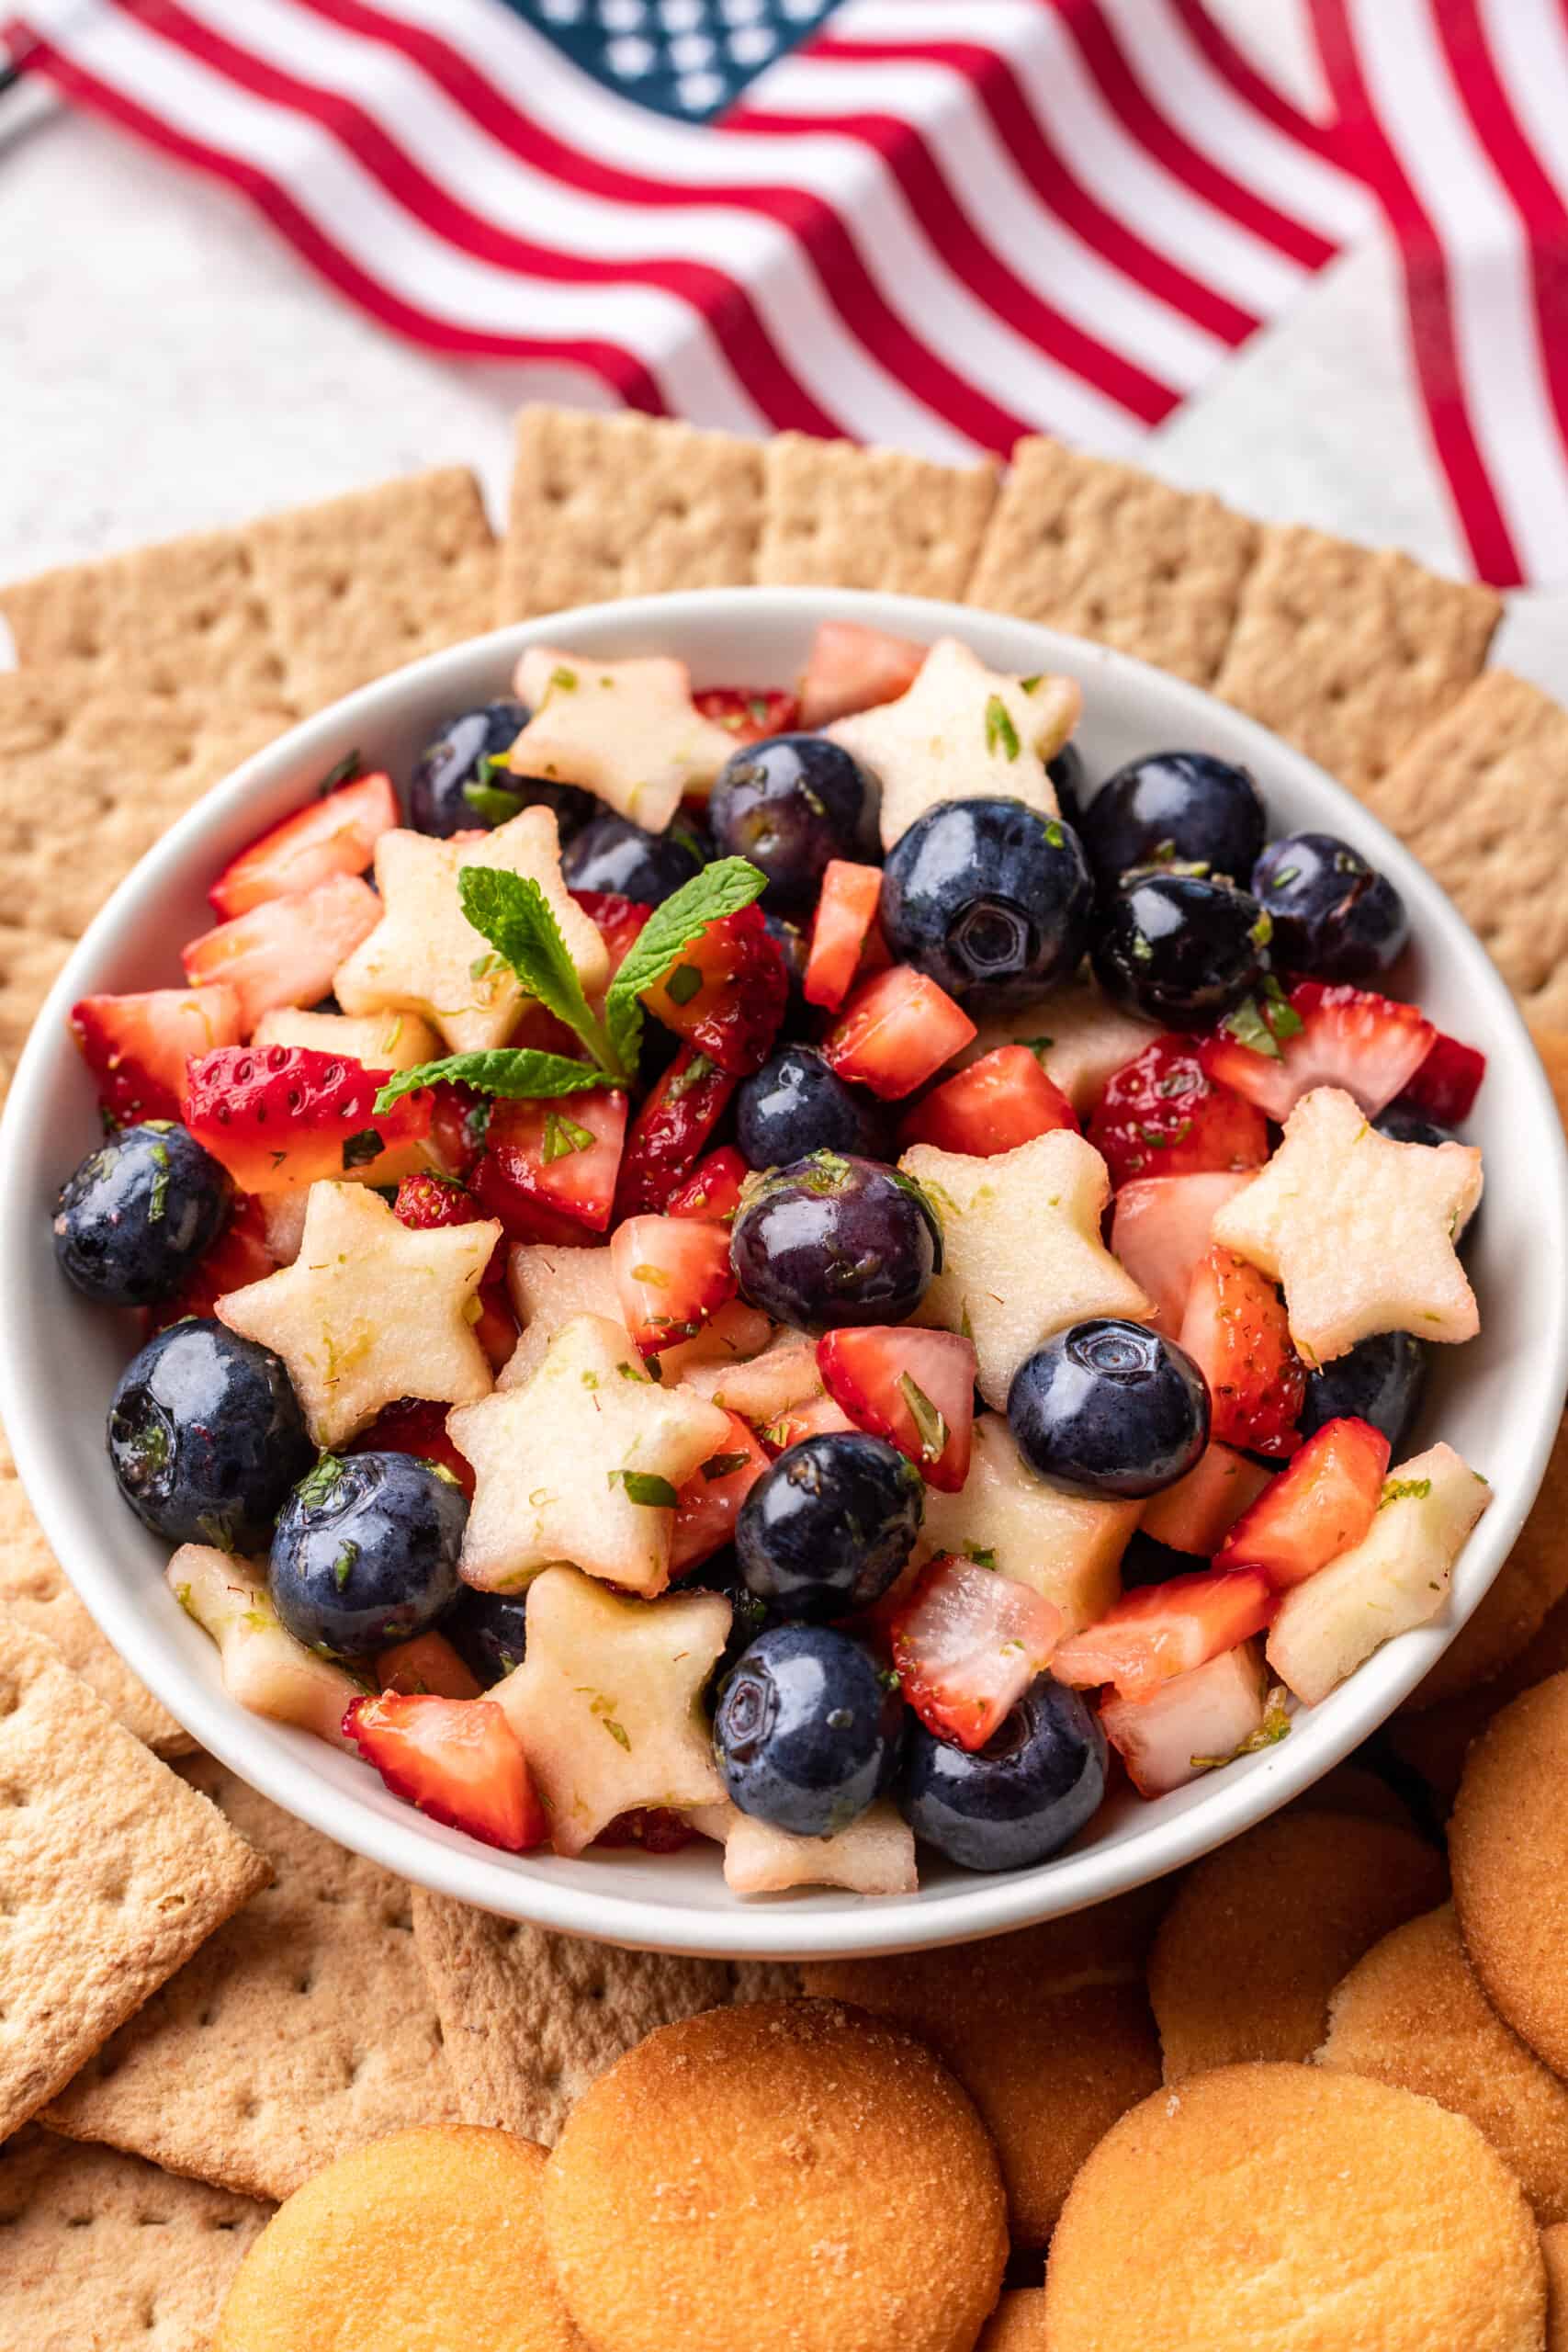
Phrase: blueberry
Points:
(140, 1211)
(789, 804)
(1403, 1122)
(748, 1615)
(990, 898)
(1175, 808)
(827, 1529)
(794, 946)
(612, 853)
(1180, 950)
(832, 1239)
(807, 1732)
(1019, 1799)
(1069, 779)
(454, 788)
(1109, 1408)
(365, 1551)
(206, 1437)
(1379, 1380)
(1334, 916)
(796, 1104)
(489, 1632)
(1147, 1561)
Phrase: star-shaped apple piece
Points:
(608, 1701)
(626, 731)
(876, 1855)
(1079, 1037)
(582, 1463)
(262, 1664)
(426, 956)
(962, 732)
(1065, 1547)
(1022, 1253)
(370, 1311)
(1359, 1230)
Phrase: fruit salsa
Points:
(787, 1271)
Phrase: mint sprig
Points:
(513, 914)
(720, 889)
(519, 1073)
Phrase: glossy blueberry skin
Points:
(789, 804)
(206, 1437)
(1018, 1800)
(1069, 779)
(1181, 808)
(455, 760)
(1404, 1123)
(1178, 950)
(365, 1551)
(1379, 1380)
(807, 1732)
(834, 1240)
(489, 1632)
(794, 944)
(1335, 917)
(1147, 1561)
(1109, 1408)
(795, 1105)
(612, 853)
(749, 1616)
(827, 1529)
(133, 1219)
(992, 899)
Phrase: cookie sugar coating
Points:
(1281, 2205)
(795, 2176)
(1509, 1852)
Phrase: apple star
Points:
(1065, 1547)
(369, 1311)
(263, 1668)
(626, 731)
(876, 1855)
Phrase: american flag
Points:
(936, 223)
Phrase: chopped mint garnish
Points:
(1275, 1726)
(682, 984)
(999, 728)
(563, 681)
(320, 1484)
(720, 889)
(645, 1486)
(1248, 1027)
(1054, 834)
(1142, 951)
(159, 1155)
(358, 1150)
(494, 802)
(1032, 686)
(1285, 876)
(723, 1465)
(1262, 931)
(342, 1567)
(1399, 1490)
(981, 1554)
(930, 1426)
(563, 1137)
(342, 771)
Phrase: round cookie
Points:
(1554, 2249)
(1436, 1742)
(1529, 1585)
(417, 2243)
(794, 2176)
(1285, 2207)
(1355, 1789)
(1509, 1852)
(1018, 2324)
(1411, 2013)
(1263, 1930)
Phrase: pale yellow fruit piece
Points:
(626, 731)
(1079, 1036)
(263, 1668)
(766, 1388)
(549, 1287)
(876, 1855)
(607, 1701)
(390, 1041)
(1065, 1547)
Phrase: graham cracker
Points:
(1349, 651)
(1102, 549)
(839, 516)
(625, 506)
(532, 2018)
(112, 1872)
(301, 2031)
(99, 2253)
(1481, 798)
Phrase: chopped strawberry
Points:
(1159, 1230)
(895, 1032)
(850, 668)
(726, 993)
(749, 713)
(619, 922)
(1193, 1723)
(817, 1417)
(1196, 1513)
(1236, 1332)
(549, 1166)
(967, 1643)
(239, 1256)
(712, 1190)
(914, 1388)
(1160, 1630)
(671, 1132)
(285, 950)
(1002, 1100)
(1321, 1504)
(671, 1274)
(426, 1665)
(425, 1200)
(1163, 1114)
(1446, 1084)
(458, 1125)
(846, 912)
(337, 834)
(457, 1760)
(1369, 1045)
(415, 1427)
(654, 1828)
(280, 1116)
(136, 1046)
(708, 1504)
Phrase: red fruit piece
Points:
(895, 1032)
(136, 1046)
(427, 1664)
(1369, 1045)
(1446, 1085)
(285, 950)
(999, 1102)
(1196, 1514)
(239, 1256)
(425, 1200)
(1159, 1230)
(1161, 1630)
(1236, 1332)
(459, 1122)
(652, 1826)
(412, 1426)
(548, 1169)
(337, 834)
(1320, 1505)
(750, 712)
(846, 909)
(818, 1417)
(457, 1759)
(967, 1646)
(914, 1388)
(671, 1132)
(852, 668)
(712, 1190)
(280, 1116)
(672, 1274)
(708, 1504)
(1163, 1114)
(619, 922)
(726, 993)
(1192, 1723)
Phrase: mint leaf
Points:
(518, 1072)
(513, 914)
(1249, 1028)
(720, 889)
(493, 802)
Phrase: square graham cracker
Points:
(838, 517)
(113, 1872)
(303, 2030)
(531, 2019)
(101, 2253)
(1101, 548)
(625, 506)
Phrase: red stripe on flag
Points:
(1250, 85)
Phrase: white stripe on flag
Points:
(1529, 42)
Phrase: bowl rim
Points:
(275, 1760)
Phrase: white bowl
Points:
(1497, 1400)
